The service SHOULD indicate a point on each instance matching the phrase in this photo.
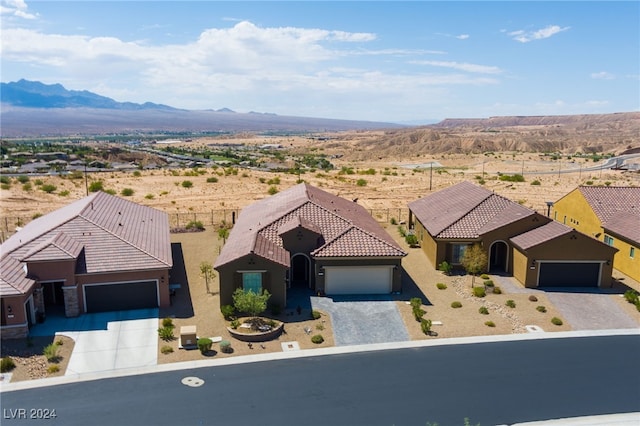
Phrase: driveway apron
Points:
(360, 322)
(591, 311)
(108, 340)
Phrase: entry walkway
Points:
(108, 340)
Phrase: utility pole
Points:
(430, 175)
(86, 181)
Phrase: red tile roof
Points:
(115, 235)
(466, 211)
(314, 209)
(617, 207)
(540, 235)
(627, 225)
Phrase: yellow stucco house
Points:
(610, 214)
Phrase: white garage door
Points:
(358, 279)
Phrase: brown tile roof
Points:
(358, 243)
(13, 280)
(114, 235)
(627, 225)
(541, 234)
(314, 209)
(607, 201)
(466, 211)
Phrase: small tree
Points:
(223, 234)
(206, 269)
(474, 261)
(251, 303)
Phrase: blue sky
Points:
(381, 61)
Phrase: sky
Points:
(404, 62)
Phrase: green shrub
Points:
(149, 196)
(195, 224)
(512, 178)
(541, 309)
(7, 364)
(166, 349)
(533, 298)
(415, 302)
(319, 327)
(418, 313)
(59, 342)
(228, 311)
(632, 296)
(441, 286)
(272, 190)
(27, 187)
(186, 184)
(212, 179)
(127, 192)
(479, 292)
(393, 221)
(535, 182)
(510, 303)
(166, 333)
(204, 344)
(402, 231)
(64, 193)
(96, 186)
(445, 267)
(497, 290)
(22, 179)
(167, 322)
(51, 352)
(556, 321)
(52, 369)
(411, 239)
(137, 173)
(361, 182)
(317, 339)
(110, 191)
(483, 310)
(235, 324)
(488, 283)
(484, 276)
(315, 314)
(490, 324)
(5, 180)
(48, 188)
(38, 182)
(425, 325)
(456, 304)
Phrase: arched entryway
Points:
(300, 270)
(499, 254)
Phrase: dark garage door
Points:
(569, 274)
(119, 297)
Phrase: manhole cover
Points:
(194, 382)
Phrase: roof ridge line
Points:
(489, 195)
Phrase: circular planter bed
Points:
(249, 335)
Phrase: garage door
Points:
(121, 296)
(358, 279)
(568, 274)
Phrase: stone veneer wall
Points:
(71, 305)
(15, 331)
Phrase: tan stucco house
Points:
(518, 241)
(306, 237)
(610, 214)
(100, 253)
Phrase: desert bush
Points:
(52, 369)
(64, 193)
(535, 182)
(488, 283)
(272, 190)
(411, 239)
(484, 276)
(166, 349)
(418, 313)
(315, 314)
(541, 309)
(212, 179)
(497, 290)
(59, 342)
(96, 186)
(556, 321)
(441, 286)
(235, 324)
(51, 352)
(110, 191)
(483, 310)
(166, 333)
(228, 311)
(319, 327)
(402, 231)
(186, 184)
(361, 182)
(425, 326)
(48, 188)
(195, 224)
(7, 364)
(415, 302)
(5, 180)
(21, 179)
(167, 322)
(204, 344)
(510, 303)
(631, 296)
(393, 221)
(149, 196)
(512, 178)
(533, 298)
(490, 324)
(317, 339)
(479, 292)
(127, 192)
(445, 267)
(456, 304)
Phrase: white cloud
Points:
(462, 36)
(602, 75)
(462, 66)
(17, 8)
(526, 36)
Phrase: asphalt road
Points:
(489, 383)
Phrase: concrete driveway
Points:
(362, 320)
(108, 340)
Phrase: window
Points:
(252, 281)
(632, 252)
(608, 240)
(458, 252)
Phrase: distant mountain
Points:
(34, 94)
(537, 120)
